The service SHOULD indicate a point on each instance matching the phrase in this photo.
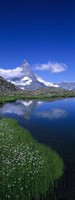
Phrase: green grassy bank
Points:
(28, 169)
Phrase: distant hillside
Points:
(7, 87)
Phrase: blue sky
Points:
(42, 32)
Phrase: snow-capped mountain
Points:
(67, 85)
(29, 80)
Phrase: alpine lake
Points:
(37, 154)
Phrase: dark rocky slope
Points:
(7, 87)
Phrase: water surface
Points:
(53, 124)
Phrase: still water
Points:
(53, 124)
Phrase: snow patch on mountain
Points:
(48, 84)
(22, 82)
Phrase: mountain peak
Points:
(25, 67)
(25, 64)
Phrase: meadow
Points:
(28, 170)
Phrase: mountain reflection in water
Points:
(26, 108)
(20, 108)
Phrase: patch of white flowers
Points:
(21, 162)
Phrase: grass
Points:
(28, 170)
